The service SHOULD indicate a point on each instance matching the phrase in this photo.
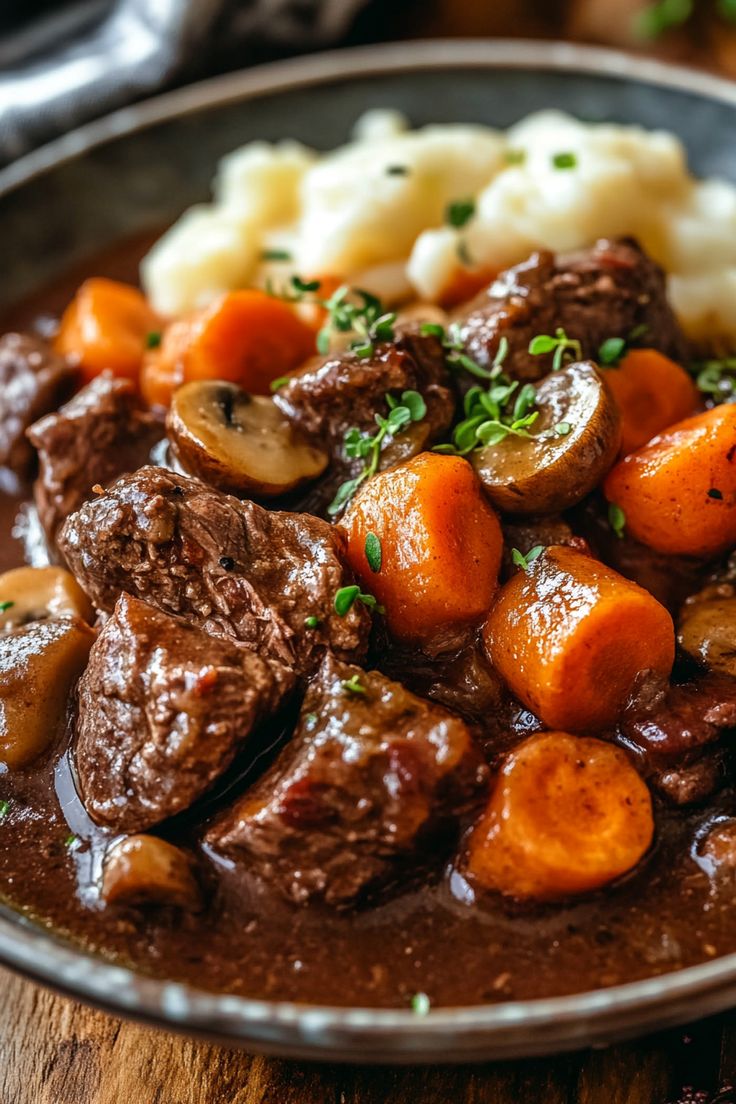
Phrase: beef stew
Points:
(289, 737)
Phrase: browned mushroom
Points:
(146, 870)
(238, 442)
(573, 443)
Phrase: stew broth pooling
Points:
(422, 648)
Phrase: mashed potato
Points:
(374, 212)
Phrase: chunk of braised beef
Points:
(33, 381)
(374, 778)
(611, 290)
(329, 397)
(163, 710)
(231, 567)
(679, 735)
(94, 438)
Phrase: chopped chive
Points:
(4, 606)
(312, 622)
(4, 809)
(276, 255)
(153, 339)
(564, 160)
(397, 170)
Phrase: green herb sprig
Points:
(4, 809)
(373, 552)
(5, 606)
(346, 597)
(617, 520)
(524, 561)
(459, 213)
(566, 349)
(716, 378)
(353, 685)
(360, 445)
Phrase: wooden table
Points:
(55, 1051)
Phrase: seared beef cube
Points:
(231, 567)
(611, 290)
(329, 397)
(101, 433)
(373, 778)
(163, 710)
(680, 735)
(33, 381)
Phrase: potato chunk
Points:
(39, 665)
(39, 593)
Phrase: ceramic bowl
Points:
(135, 171)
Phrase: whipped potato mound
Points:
(409, 213)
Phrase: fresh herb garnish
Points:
(360, 445)
(347, 595)
(4, 606)
(276, 255)
(397, 170)
(353, 685)
(312, 622)
(153, 339)
(373, 552)
(611, 351)
(420, 1004)
(715, 493)
(367, 319)
(561, 429)
(565, 348)
(71, 842)
(493, 414)
(564, 160)
(278, 383)
(459, 213)
(716, 377)
(520, 560)
(463, 254)
(662, 16)
(617, 520)
(4, 809)
(515, 156)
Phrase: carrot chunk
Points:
(567, 815)
(106, 326)
(440, 545)
(652, 393)
(245, 337)
(678, 493)
(570, 636)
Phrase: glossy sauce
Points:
(433, 937)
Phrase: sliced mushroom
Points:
(238, 442)
(707, 623)
(146, 870)
(39, 665)
(574, 442)
(39, 593)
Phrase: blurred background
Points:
(63, 62)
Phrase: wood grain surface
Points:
(55, 1051)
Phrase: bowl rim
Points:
(506, 1029)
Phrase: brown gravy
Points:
(433, 938)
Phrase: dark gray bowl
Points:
(137, 169)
